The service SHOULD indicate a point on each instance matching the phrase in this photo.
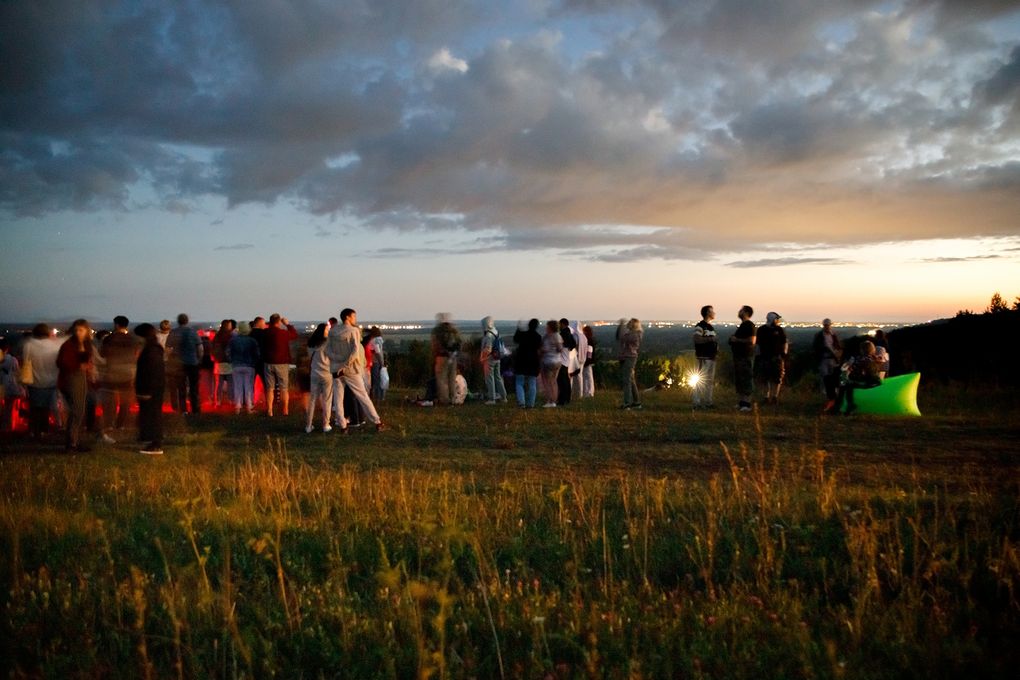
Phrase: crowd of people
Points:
(346, 376)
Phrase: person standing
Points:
(321, 378)
(10, 388)
(773, 348)
(577, 360)
(552, 362)
(244, 355)
(150, 383)
(445, 352)
(527, 362)
(74, 366)
(630, 345)
(277, 339)
(119, 351)
(222, 368)
(706, 349)
(163, 333)
(344, 351)
(742, 344)
(828, 353)
(39, 375)
(378, 392)
(185, 355)
(567, 357)
(491, 356)
(588, 370)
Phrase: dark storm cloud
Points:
(726, 123)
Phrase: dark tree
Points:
(997, 305)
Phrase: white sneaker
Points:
(490, 403)
(107, 439)
(327, 429)
(551, 404)
(151, 452)
(308, 430)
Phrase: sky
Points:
(583, 158)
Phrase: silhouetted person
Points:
(742, 344)
(74, 365)
(150, 383)
(185, 355)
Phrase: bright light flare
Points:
(693, 378)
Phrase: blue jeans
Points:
(532, 383)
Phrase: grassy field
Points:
(488, 542)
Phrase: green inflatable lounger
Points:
(896, 396)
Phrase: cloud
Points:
(236, 246)
(968, 258)
(719, 125)
(787, 262)
(444, 61)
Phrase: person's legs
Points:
(108, 400)
(743, 381)
(192, 374)
(627, 380)
(549, 375)
(490, 380)
(496, 369)
(377, 391)
(338, 404)
(531, 384)
(451, 376)
(563, 386)
(443, 392)
(146, 408)
(283, 384)
(356, 385)
(577, 385)
(519, 389)
(270, 383)
(75, 395)
(588, 381)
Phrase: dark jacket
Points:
(243, 350)
(527, 356)
(71, 361)
(150, 371)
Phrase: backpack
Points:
(498, 348)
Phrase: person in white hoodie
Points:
(492, 357)
(577, 359)
(347, 363)
(39, 361)
(321, 378)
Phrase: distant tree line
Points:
(997, 305)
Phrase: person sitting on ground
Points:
(630, 345)
(491, 356)
(321, 383)
(552, 349)
(150, 383)
(773, 348)
(861, 372)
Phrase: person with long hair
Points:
(74, 366)
(630, 344)
(150, 383)
(321, 384)
(552, 348)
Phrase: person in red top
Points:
(74, 366)
(276, 346)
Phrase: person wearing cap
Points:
(773, 348)
(150, 383)
(828, 353)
